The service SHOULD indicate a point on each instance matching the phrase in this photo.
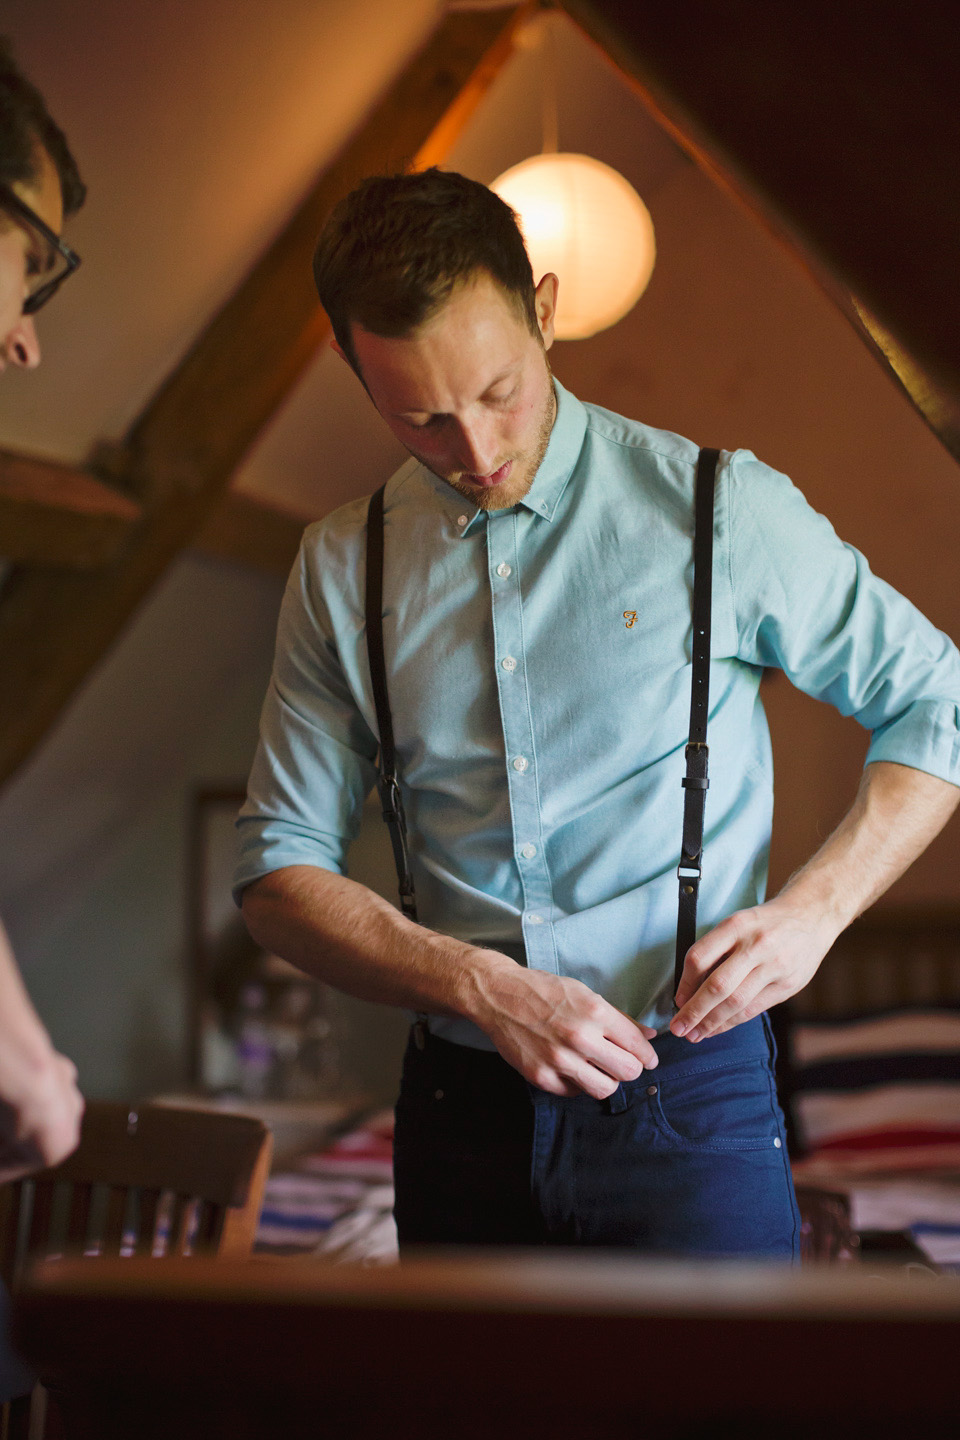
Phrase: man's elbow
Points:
(257, 902)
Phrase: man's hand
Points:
(752, 960)
(39, 1117)
(561, 1036)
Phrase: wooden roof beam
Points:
(54, 514)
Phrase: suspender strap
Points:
(387, 782)
(695, 782)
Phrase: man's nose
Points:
(476, 450)
(21, 346)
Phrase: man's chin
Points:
(495, 497)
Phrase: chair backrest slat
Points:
(113, 1225)
(182, 1222)
(41, 1216)
(210, 1219)
(148, 1210)
(78, 1218)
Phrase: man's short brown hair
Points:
(393, 250)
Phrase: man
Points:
(40, 1106)
(537, 633)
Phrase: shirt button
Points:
(463, 520)
(528, 852)
(535, 919)
(503, 570)
(508, 662)
(520, 764)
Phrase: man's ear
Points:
(545, 299)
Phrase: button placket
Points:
(515, 713)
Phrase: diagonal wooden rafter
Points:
(55, 625)
(837, 125)
(52, 514)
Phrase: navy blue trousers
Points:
(690, 1159)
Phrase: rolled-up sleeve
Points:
(315, 761)
(810, 605)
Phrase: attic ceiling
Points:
(199, 125)
(198, 141)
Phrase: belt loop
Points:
(616, 1103)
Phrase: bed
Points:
(870, 1079)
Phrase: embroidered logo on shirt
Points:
(631, 618)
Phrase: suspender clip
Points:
(390, 799)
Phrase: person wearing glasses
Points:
(39, 186)
(40, 1105)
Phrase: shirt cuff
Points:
(926, 737)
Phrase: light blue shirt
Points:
(538, 663)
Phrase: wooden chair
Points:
(151, 1181)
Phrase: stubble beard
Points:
(512, 490)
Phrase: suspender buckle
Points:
(390, 799)
(696, 754)
(688, 871)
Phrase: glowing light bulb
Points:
(586, 223)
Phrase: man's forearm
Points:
(350, 937)
(554, 1030)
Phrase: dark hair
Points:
(393, 250)
(25, 127)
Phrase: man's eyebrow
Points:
(40, 252)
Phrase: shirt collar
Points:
(563, 452)
(556, 468)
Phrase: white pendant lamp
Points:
(586, 223)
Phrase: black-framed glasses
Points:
(51, 263)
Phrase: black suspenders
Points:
(695, 782)
(388, 782)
